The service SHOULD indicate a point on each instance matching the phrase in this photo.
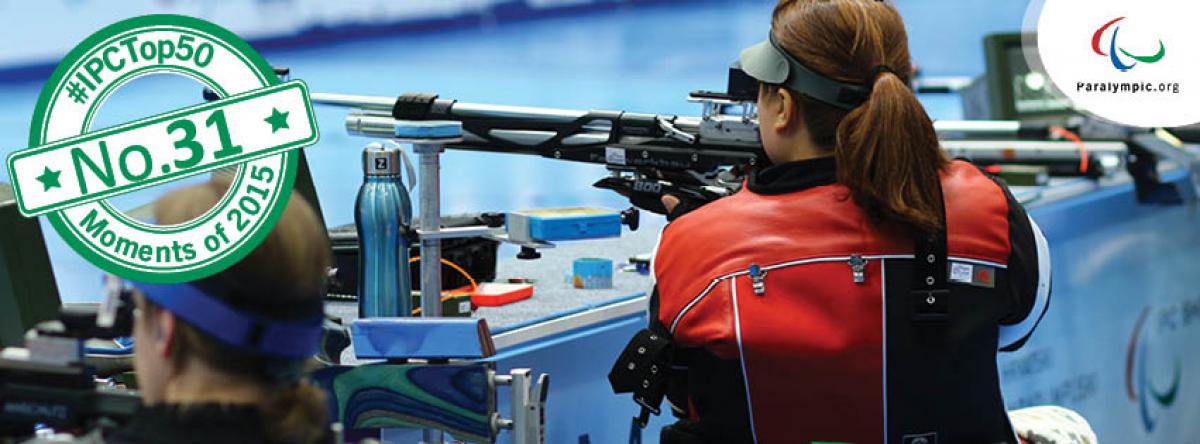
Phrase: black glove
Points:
(685, 206)
(648, 195)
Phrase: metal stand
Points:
(429, 150)
(430, 231)
(529, 394)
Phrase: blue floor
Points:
(643, 58)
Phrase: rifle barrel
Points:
(382, 106)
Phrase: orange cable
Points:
(1070, 135)
(474, 286)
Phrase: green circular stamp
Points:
(254, 128)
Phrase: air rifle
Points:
(52, 382)
(695, 158)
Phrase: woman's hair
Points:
(886, 149)
(284, 278)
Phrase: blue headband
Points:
(232, 327)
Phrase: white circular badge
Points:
(1134, 63)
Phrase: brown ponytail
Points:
(887, 152)
(283, 278)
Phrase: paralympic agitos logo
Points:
(1138, 386)
(1113, 48)
(1122, 72)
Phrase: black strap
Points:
(413, 106)
(930, 291)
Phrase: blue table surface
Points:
(643, 58)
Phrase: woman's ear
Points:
(785, 110)
(164, 333)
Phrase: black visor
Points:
(769, 63)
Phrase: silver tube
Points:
(351, 101)
(370, 125)
(526, 137)
(1005, 127)
(1028, 147)
(468, 110)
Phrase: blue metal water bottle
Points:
(382, 209)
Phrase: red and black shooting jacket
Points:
(792, 321)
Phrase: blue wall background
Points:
(945, 33)
(639, 56)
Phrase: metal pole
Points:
(431, 247)
(431, 221)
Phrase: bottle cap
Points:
(381, 160)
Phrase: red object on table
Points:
(495, 294)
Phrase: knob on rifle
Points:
(529, 253)
(631, 217)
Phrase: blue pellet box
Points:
(561, 224)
